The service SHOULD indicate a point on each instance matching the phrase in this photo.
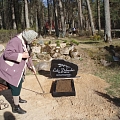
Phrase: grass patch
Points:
(112, 76)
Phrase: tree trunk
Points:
(26, 15)
(91, 18)
(56, 18)
(22, 16)
(80, 20)
(48, 15)
(36, 20)
(1, 18)
(98, 11)
(3, 15)
(39, 16)
(107, 31)
(62, 19)
(13, 18)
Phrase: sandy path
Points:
(86, 105)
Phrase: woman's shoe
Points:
(22, 101)
(18, 109)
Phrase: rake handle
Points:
(39, 82)
(36, 76)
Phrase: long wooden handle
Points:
(36, 76)
(39, 82)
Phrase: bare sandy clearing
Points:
(88, 104)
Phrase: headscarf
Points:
(29, 35)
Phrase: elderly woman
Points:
(13, 63)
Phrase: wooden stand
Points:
(63, 87)
(3, 87)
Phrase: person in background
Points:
(74, 31)
(13, 64)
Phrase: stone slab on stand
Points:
(63, 69)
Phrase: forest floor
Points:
(91, 101)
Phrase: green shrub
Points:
(65, 41)
(58, 43)
(95, 37)
(49, 42)
(101, 33)
(74, 42)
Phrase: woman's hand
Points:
(25, 55)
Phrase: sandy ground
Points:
(90, 102)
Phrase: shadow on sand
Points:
(114, 100)
(44, 73)
(9, 116)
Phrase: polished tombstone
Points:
(65, 71)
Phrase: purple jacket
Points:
(12, 65)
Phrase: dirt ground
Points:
(90, 102)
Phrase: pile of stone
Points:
(52, 51)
